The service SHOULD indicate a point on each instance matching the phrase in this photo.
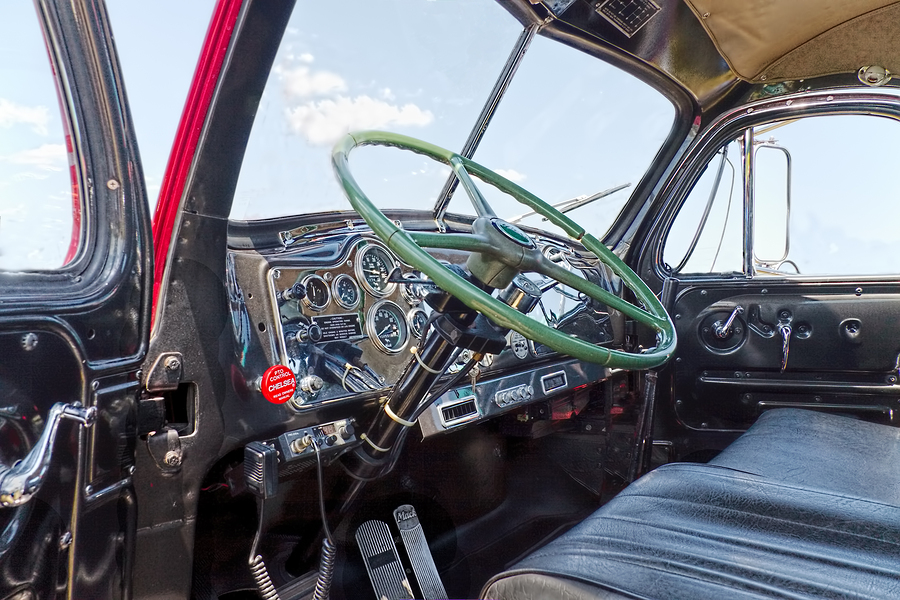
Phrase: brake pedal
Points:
(382, 561)
(419, 553)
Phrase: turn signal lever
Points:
(19, 483)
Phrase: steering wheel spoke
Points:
(451, 241)
(482, 208)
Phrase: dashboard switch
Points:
(514, 395)
(311, 384)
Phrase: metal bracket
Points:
(165, 448)
(166, 372)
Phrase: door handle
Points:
(20, 482)
(785, 330)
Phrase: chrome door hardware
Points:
(723, 330)
(20, 482)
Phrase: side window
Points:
(40, 212)
(820, 206)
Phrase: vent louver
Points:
(459, 412)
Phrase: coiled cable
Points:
(263, 582)
(329, 549)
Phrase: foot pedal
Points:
(419, 554)
(382, 562)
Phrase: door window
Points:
(40, 209)
(822, 202)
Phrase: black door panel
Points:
(841, 353)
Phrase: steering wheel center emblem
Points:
(513, 233)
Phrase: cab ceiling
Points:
(777, 40)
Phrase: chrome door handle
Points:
(785, 331)
(20, 482)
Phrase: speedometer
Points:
(374, 265)
(386, 326)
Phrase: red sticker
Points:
(278, 384)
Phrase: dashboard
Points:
(346, 316)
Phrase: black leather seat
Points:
(803, 505)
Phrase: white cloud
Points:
(387, 94)
(511, 174)
(324, 122)
(306, 57)
(301, 82)
(49, 157)
(14, 114)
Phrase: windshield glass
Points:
(570, 126)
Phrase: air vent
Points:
(459, 412)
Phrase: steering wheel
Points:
(500, 250)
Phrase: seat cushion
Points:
(804, 505)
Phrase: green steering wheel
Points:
(500, 250)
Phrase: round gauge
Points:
(413, 292)
(346, 292)
(519, 344)
(386, 326)
(317, 293)
(374, 265)
(417, 319)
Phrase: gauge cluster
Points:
(348, 313)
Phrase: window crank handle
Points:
(723, 330)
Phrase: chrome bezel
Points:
(404, 289)
(360, 275)
(370, 326)
(337, 296)
(307, 302)
(410, 316)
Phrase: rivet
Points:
(112, 184)
(764, 291)
(789, 102)
(677, 317)
(95, 385)
(65, 540)
(750, 110)
(859, 291)
(829, 98)
(703, 292)
(763, 77)
(706, 15)
(88, 490)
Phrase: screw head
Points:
(29, 342)
(112, 184)
(65, 540)
(172, 458)
(172, 363)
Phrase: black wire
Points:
(321, 491)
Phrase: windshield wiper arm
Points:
(573, 203)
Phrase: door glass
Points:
(40, 210)
(843, 212)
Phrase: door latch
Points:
(785, 330)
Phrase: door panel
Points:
(842, 351)
(72, 339)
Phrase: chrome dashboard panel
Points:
(330, 340)
(490, 398)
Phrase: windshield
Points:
(570, 126)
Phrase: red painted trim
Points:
(218, 37)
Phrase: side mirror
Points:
(772, 206)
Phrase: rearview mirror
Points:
(772, 205)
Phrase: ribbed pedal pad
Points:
(419, 554)
(382, 562)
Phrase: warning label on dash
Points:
(339, 327)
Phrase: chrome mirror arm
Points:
(19, 483)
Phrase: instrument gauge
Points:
(346, 291)
(417, 319)
(386, 326)
(519, 345)
(317, 293)
(374, 264)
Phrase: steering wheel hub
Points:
(513, 233)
